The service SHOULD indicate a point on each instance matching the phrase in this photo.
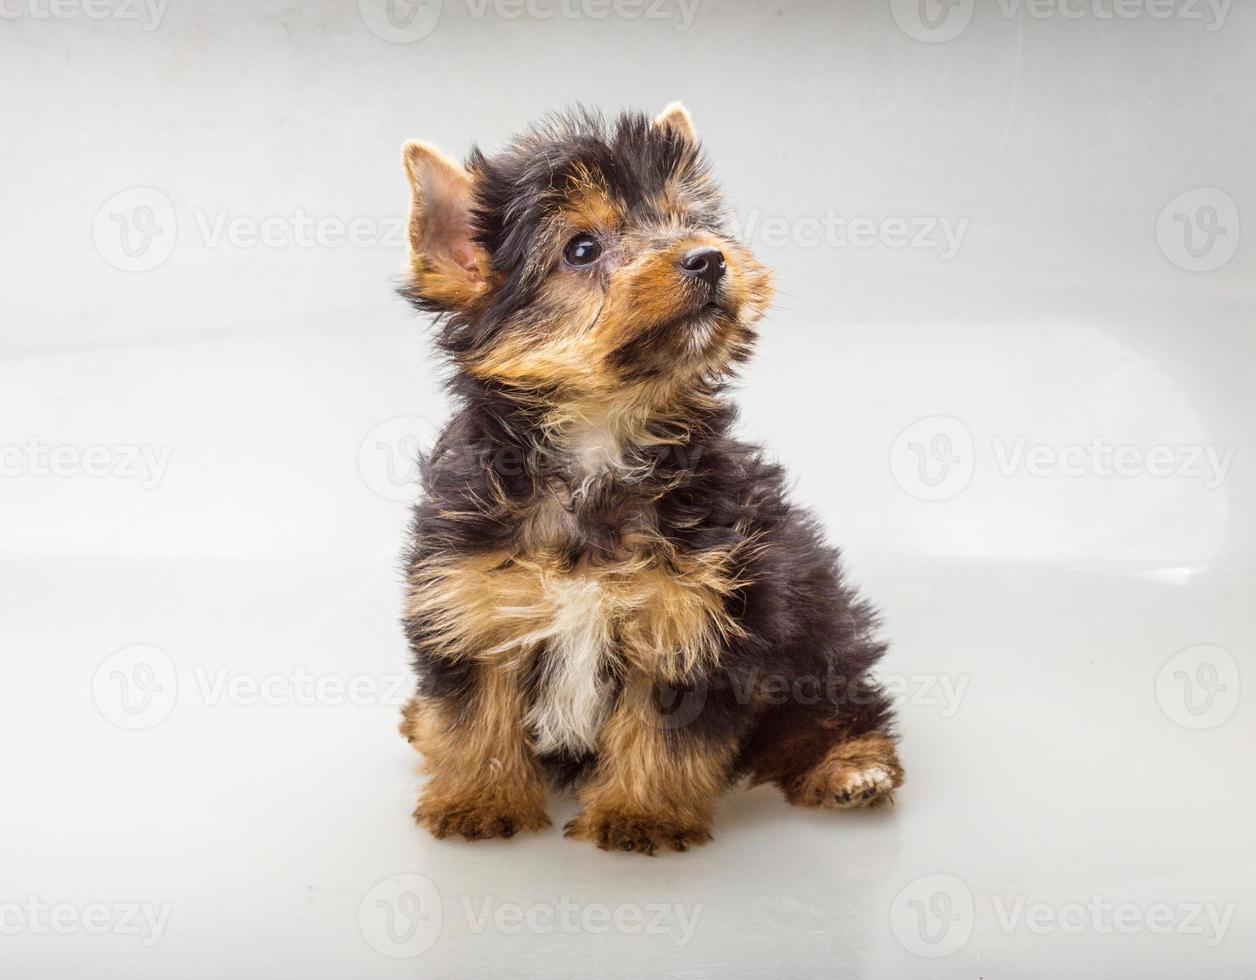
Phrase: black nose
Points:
(704, 263)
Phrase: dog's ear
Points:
(676, 118)
(448, 268)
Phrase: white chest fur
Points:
(573, 694)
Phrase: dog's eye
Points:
(582, 250)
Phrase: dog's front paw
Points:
(477, 819)
(641, 834)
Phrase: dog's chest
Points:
(590, 591)
(574, 690)
(575, 681)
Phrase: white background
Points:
(202, 662)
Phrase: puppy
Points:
(605, 589)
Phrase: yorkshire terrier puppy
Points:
(605, 589)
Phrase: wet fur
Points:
(588, 494)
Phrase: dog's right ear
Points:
(448, 268)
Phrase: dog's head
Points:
(585, 259)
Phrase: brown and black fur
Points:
(588, 496)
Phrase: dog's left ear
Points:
(676, 118)
(448, 267)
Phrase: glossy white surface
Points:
(1032, 434)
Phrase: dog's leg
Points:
(656, 784)
(837, 754)
(862, 770)
(484, 780)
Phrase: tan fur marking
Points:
(575, 326)
(483, 781)
(668, 608)
(653, 787)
